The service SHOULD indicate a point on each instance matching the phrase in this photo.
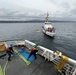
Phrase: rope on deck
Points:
(2, 72)
(3, 55)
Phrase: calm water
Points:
(64, 41)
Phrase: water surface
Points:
(64, 41)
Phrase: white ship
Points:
(47, 28)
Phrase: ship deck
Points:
(18, 67)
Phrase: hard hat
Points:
(11, 44)
(35, 46)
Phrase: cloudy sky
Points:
(37, 9)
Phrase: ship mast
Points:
(47, 16)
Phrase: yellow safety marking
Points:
(26, 61)
(1, 72)
(63, 60)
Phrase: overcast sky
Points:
(37, 9)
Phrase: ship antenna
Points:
(47, 17)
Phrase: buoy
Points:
(37, 30)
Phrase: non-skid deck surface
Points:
(24, 55)
(18, 67)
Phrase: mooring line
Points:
(1, 72)
(4, 70)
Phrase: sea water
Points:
(64, 40)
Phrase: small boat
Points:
(47, 28)
(58, 64)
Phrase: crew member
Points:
(9, 51)
(33, 51)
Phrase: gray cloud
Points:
(26, 9)
(73, 11)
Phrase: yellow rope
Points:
(1, 72)
(63, 60)
(5, 68)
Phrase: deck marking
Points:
(26, 61)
